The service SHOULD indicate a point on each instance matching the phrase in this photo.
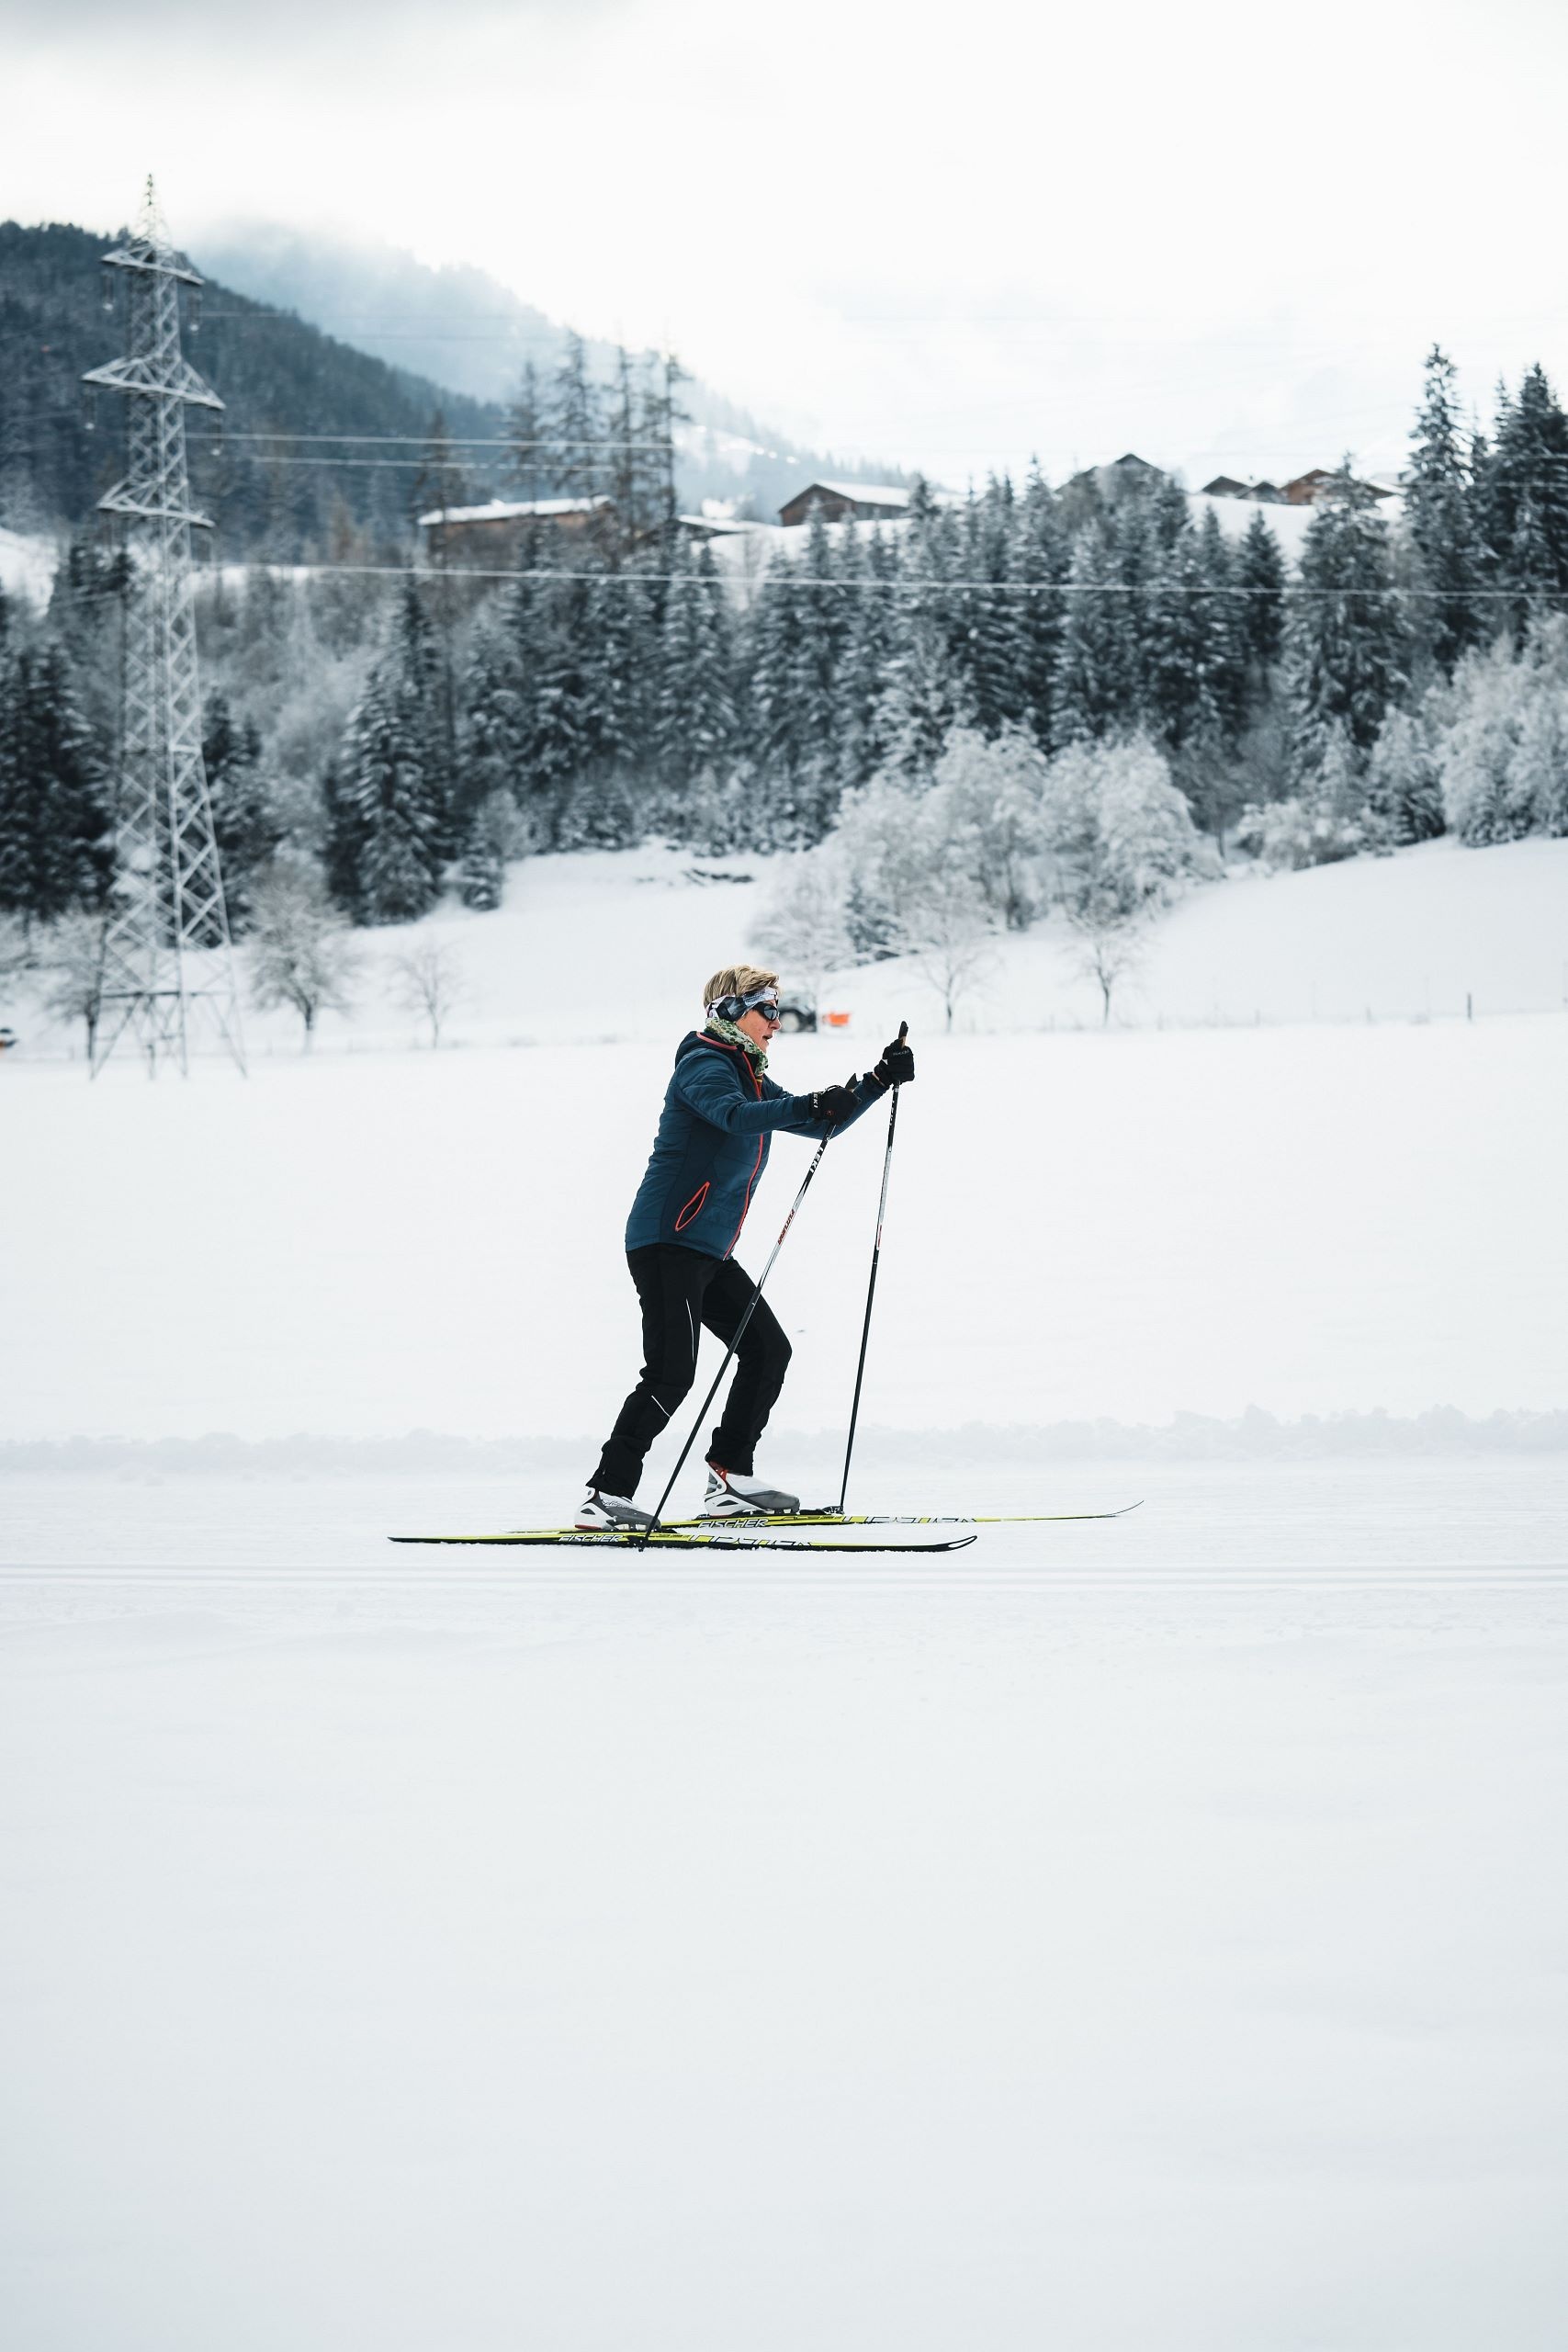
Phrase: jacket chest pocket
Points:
(694, 1207)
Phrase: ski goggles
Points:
(762, 1000)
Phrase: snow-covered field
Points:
(1116, 1941)
(1125, 1935)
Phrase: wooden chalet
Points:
(847, 501)
(499, 533)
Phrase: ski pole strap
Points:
(735, 1342)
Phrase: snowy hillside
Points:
(1306, 1219)
(603, 946)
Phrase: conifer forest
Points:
(1038, 695)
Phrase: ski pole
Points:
(735, 1342)
(871, 1287)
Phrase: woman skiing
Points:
(719, 1116)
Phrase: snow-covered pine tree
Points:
(1226, 654)
(1346, 635)
(526, 426)
(490, 745)
(574, 426)
(1040, 561)
(554, 697)
(1525, 498)
(822, 632)
(1260, 584)
(496, 832)
(246, 822)
(347, 836)
(693, 733)
(1181, 632)
(774, 665)
(1144, 531)
(923, 701)
(398, 820)
(874, 620)
(1439, 513)
(55, 849)
(1088, 699)
(992, 667)
(416, 664)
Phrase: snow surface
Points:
(1304, 1220)
(1116, 1937)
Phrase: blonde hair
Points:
(738, 980)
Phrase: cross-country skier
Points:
(720, 1114)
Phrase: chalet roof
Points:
(717, 525)
(501, 510)
(867, 493)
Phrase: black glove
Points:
(896, 1067)
(835, 1102)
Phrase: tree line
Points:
(405, 735)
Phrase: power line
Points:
(907, 587)
(472, 441)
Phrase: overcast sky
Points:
(1221, 235)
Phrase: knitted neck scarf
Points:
(734, 1036)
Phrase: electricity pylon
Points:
(166, 946)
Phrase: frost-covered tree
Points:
(300, 954)
(1119, 830)
(989, 799)
(1475, 750)
(803, 924)
(73, 959)
(1403, 798)
(948, 932)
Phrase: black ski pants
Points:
(683, 1291)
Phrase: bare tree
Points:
(300, 953)
(803, 924)
(949, 932)
(429, 981)
(74, 956)
(1111, 938)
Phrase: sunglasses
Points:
(768, 1006)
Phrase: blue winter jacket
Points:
(718, 1120)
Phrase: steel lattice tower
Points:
(166, 946)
